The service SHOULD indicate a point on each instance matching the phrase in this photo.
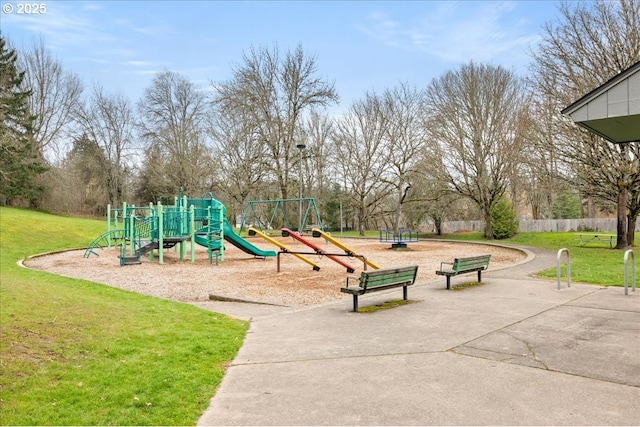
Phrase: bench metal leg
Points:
(355, 303)
(404, 292)
(479, 276)
(448, 282)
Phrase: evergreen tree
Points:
(20, 165)
(504, 222)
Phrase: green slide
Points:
(237, 241)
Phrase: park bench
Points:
(378, 280)
(464, 265)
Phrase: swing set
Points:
(257, 211)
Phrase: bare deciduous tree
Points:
(473, 120)
(241, 159)
(173, 115)
(316, 134)
(593, 42)
(108, 121)
(542, 169)
(55, 97)
(275, 92)
(403, 107)
(361, 155)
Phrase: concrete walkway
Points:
(515, 351)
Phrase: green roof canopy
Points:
(613, 109)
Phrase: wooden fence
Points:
(560, 225)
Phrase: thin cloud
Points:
(93, 7)
(150, 72)
(156, 30)
(383, 29)
(149, 29)
(457, 32)
(63, 25)
(142, 63)
(91, 59)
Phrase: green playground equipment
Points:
(157, 228)
(189, 221)
(106, 239)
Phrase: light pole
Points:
(300, 147)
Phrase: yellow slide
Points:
(253, 231)
(319, 233)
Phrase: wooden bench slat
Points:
(381, 279)
(388, 278)
(464, 265)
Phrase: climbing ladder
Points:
(104, 240)
(141, 233)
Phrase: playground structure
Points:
(400, 238)
(318, 250)
(138, 231)
(256, 213)
(142, 230)
(283, 248)
(348, 251)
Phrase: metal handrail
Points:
(626, 271)
(568, 267)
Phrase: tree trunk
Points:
(361, 219)
(591, 207)
(621, 241)
(488, 228)
(631, 229)
(536, 203)
(437, 222)
(395, 220)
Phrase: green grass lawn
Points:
(73, 352)
(593, 263)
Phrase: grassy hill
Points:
(73, 352)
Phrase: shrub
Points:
(503, 220)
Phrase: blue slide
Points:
(237, 241)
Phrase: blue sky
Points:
(360, 45)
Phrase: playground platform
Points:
(515, 351)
